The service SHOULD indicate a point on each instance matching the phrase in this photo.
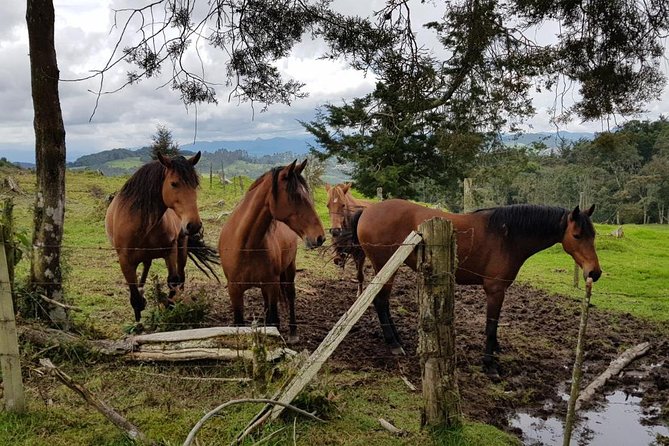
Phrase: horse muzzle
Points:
(335, 232)
(595, 274)
(312, 243)
(193, 228)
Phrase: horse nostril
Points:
(335, 232)
(320, 240)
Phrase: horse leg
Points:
(360, 276)
(136, 299)
(146, 265)
(182, 258)
(288, 289)
(173, 279)
(495, 297)
(271, 293)
(382, 305)
(237, 301)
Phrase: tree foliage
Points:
(163, 143)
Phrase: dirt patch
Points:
(537, 334)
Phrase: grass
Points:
(635, 280)
(635, 268)
(152, 396)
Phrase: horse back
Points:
(383, 226)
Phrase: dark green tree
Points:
(163, 143)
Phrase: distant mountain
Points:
(551, 139)
(257, 147)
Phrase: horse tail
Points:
(354, 228)
(203, 256)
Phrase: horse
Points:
(154, 216)
(341, 207)
(258, 243)
(492, 245)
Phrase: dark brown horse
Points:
(155, 216)
(341, 207)
(492, 245)
(258, 242)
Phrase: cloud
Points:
(85, 37)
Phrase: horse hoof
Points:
(398, 351)
(293, 339)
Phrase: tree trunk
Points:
(46, 273)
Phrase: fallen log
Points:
(614, 368)
(219, 343)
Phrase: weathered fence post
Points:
(9, 346)
(211, 175)
(577, 269)
(436, 335)
(467, 195)
(578, 364)
(379, 193)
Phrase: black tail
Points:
(203, 256)
(354, 228)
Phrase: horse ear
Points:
(291, 167)
(346, 187)
(327, 187)
(193, 160)
(300, 167)
(590, 211)
(575, 212)
(165, 161)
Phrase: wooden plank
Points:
(202, 333)
(345, 323)
(194, 354)
(436, 331)
(9, 346)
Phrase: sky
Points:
(128, 118)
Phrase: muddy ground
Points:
(537, 334)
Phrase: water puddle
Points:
(619, 422)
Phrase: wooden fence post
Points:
(379, 193)
(211, 175)
(9, 346)
(577, 269)
(436, 335)
(578, 364)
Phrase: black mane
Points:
(534, 221)
(294, 180)
(143, 191)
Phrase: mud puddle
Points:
(620, 421)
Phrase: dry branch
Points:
(117, 419)
(60, 304)
(391, 428)
(199, 424)
(614, 368)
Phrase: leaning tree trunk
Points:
(46, 273)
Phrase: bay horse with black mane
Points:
(258, 243)
(492, 245)
(154, 216)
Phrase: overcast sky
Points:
(84, 40)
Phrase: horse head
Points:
(291, 203)
(337, 206)
(179, 190)
(579, 242)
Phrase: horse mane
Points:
(534, 220)
(143, 191)
(293, 182)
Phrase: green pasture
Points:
(154, 396)
(635, 280)
(635, 276)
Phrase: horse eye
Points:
(577, 236)
(175, 184)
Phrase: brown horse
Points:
(258, 243)
(341, 207)
(492, 245)
(155, 216)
